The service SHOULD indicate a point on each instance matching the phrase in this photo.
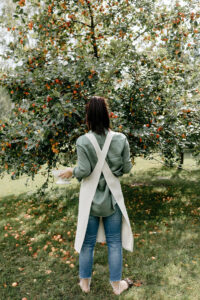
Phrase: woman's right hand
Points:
(67, 173)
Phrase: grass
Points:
(37, 237)
(27, 185)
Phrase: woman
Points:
(103, 156)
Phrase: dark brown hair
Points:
(97, 116)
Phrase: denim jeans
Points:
(112, 227)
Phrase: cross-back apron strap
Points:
(87, 191)
(101, 154)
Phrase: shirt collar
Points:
(106, 131)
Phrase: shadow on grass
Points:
(37, 239)
(152, 196)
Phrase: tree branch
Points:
(92, 26)
(157, 24)
(76, 21)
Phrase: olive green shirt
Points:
(118, 159)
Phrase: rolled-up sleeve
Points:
(83, 168)
(127, 164)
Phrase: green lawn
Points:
(37, 237)
(16, 187)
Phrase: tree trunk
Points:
(180, 166)
(93, 37)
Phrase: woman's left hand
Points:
(67, 173)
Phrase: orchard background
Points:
(143, 56)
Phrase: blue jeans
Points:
(112, 227)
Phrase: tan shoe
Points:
(122, 285)
(85, 284)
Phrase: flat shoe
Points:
(85, 290)
(129, 281)
(124, 285)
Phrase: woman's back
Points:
(118, 159)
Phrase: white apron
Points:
(87, 192)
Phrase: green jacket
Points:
(118, 159)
